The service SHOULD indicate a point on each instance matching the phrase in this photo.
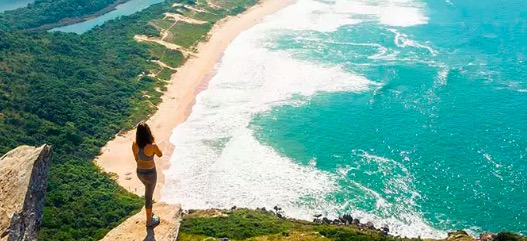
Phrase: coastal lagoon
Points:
(125, 9)
(6, 5)
(407, 113)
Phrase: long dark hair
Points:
(143, 135)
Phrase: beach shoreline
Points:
(179, 98)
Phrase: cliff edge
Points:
(23, 182)
(134, 229)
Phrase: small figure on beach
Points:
(144, 149)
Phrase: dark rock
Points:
(224, 239)
(326, 220)
(487, 236)
(355, 221)
(370, 225)
(507, 236)
(384, 229)
(346, 218)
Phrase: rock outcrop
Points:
(134, 228)
(23, 182)
(459, 235)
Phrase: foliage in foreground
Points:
(245, 224)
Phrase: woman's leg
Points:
(149, 179)
(149, 193)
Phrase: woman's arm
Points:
(135, 150)
(157, 151)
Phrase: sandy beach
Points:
(179, 98)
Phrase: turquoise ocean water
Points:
(406, 113)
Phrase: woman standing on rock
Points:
(144, 149)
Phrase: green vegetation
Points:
(234, 7)
(186, 35)
(43, 12)
(75, 97)
(508, 236)
(256, 225)
(75, 92)
(244, 224)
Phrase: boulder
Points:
(346, 219)
(385, 229)
(23, 183)
(370, 225)
(508, 236)
(487, 236)
(459, 235)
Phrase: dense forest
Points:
(75, 92)
(43, 12)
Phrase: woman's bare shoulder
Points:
(152, 146)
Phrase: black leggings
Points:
(149, 178)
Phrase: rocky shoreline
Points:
(348, 220)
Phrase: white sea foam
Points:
(400, 13)
(516, 86)
(311, 15)
(402, 216)
(402, 16)
(219, 163)
(402, 41)
(329, 16)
